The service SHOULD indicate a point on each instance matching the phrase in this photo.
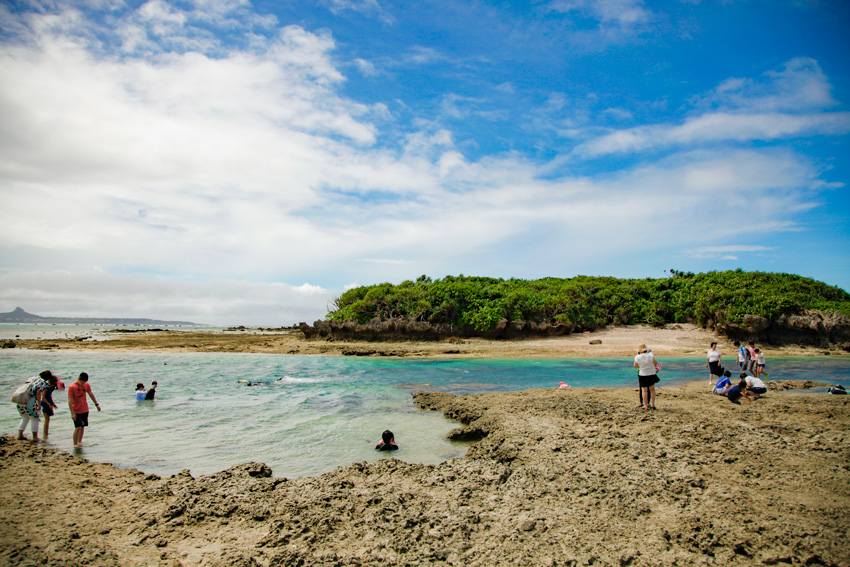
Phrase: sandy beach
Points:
(558, 477)
(672, 340)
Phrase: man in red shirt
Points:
(79, 406)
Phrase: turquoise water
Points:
(321, 412)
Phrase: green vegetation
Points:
(586, 303)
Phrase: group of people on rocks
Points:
(40, 403)
(750, 385)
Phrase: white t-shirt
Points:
(646, 364)
(714, 355)
(753, 382)
(759, 358)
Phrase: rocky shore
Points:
(559, 477)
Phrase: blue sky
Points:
(231, 162)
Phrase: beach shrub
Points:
(586, 302)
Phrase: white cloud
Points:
(786, 104)
(195, 175)
(623, 13)
(725, 252)
(800, 86)
(368, 7)
(214, 302)
(716, 127)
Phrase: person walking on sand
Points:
(743, 355)
(647, 376)
(713, 362)
(31, 411)
(751, 363)
(47, 405)
(760, 373)
(80, 407)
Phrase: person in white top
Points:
(755, 385)
(647, 376)
(759, 371)
(713, 362)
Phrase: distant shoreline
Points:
(673, 340)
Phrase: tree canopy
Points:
(588, 302)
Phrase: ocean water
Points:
(88, 331)
(319, 413)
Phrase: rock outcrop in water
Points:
(812, 328)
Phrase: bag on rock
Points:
(23, 394)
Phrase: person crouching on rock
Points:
(739, 392)
(755, 386)
(388, 443)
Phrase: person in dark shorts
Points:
(754, 385)
(647, 375)
(387, 443)
(713, 362)
(80, 407)
(738, 392)
(47, 405)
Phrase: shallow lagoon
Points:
(321, 412)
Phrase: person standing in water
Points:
(80, 407)
(31, 411)
(152, 392)
(647, 376)
(47, 405)
(387, 442)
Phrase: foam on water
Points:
(323, 412)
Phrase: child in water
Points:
(388, 443)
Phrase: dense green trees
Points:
(585, 303)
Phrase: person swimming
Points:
(388, 443)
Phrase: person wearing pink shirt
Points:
(751, 365)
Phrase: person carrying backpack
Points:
(743, 355)
(31, 410)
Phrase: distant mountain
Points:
(21, 316)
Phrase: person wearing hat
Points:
(647, 376)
